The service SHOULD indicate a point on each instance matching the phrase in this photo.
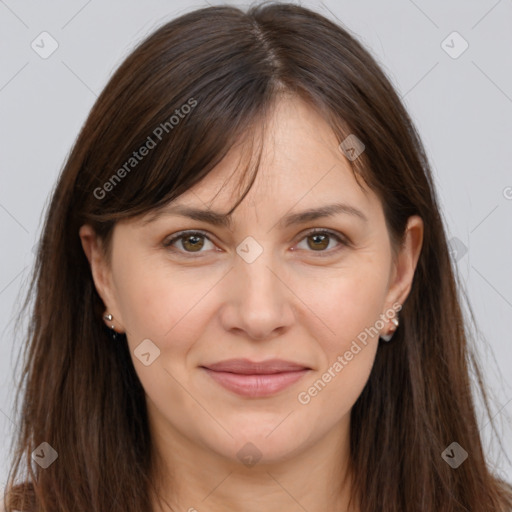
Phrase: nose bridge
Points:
(262, 302)
(258, 280)
(253, 268)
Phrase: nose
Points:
(259, 302)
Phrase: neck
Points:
(193, 479)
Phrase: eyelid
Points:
(342, 239)
(335, 234)
(182, 234)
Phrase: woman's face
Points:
(262, 288)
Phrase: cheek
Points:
(347, 302)
(164, 303)
(334, 390)
(167, 308)
(349, 308)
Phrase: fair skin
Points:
(303, 299)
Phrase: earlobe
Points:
(403, 271)
(407, 260)
(91, 245)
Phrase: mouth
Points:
(253, 379)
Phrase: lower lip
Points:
(256, 386)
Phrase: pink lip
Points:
(254, 379)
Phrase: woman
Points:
(243, 293)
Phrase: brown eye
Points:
(319, 240)
(190, 242)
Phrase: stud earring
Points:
(113, 332)
(387, 337)
(109, 317)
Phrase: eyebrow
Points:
(224, 220)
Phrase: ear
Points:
(405, 263)
(101, 274)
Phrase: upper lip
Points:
(248, 367)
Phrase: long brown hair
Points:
(79, 389)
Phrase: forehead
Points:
(300, 156)
(300, 168)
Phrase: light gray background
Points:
(461, 106)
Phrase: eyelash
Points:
(316, 231)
